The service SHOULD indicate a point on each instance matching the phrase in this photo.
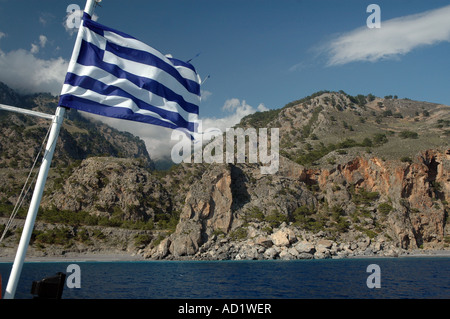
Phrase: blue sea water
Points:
(400, 278)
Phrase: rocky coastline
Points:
(284, 243)
(123, 256)
(288, 243)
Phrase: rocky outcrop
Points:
(386, 207)
(106, 186)
(295, 244)
(207, 210)
(418, 193)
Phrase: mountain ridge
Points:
(339, 162)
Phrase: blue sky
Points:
(260, 54)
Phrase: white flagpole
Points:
(42, 177)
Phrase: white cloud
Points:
(262, 108)
(22, 71)
(232, 104)
(26, 73)
(42, 20)
(396, 37)
(34, 48)
(158, 139)
(42, 40)
(238, 110)
(45, 18)
(297, 67)
(205, 94)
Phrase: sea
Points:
(358, 278)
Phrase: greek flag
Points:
(118, 76)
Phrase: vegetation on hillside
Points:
(336, 122)
(325, 128)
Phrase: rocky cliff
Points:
(78, 190)
(111, 187)
(366, 206)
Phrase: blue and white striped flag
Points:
(118, 76)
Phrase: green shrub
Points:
(314, 154)
(218, 233)
(369, 233)
(56, 236)
(341, 224)
(261, 119)
(380, 138)
(158, 240)
(142, 240)
(337, 212)
(98, 234)
(387, 113)
(408, 134)
(385, 208)
(168, 221)
(363, 196)
(8, 232)
(406, 159)
(239, 234)
(306, 218)
(348, 143)
(254, 214)
(367, 142)
(301, 212)
(275, 218)
(331, 160)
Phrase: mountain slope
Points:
(334, 122)
(80, 138)
(358, 175)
